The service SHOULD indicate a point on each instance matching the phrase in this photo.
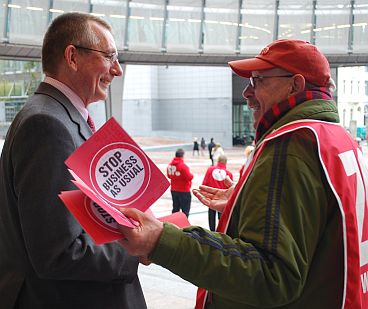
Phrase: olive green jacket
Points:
(283, 247)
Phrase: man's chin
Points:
(102, 95)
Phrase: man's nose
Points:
(116, 69)
(248, 91)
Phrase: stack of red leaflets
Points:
(112, 171)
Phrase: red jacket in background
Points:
(180, 175)
(216, 175)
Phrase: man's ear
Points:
(70, 55)
(298, 84)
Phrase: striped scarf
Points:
(279, 110)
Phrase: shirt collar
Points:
(70, 94)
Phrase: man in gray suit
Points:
(47, 260)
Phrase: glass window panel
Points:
(360, 26)
(18, 80)
(2, 18)
(220, 26)
(257, 25)
(61, 6)
(333, 25)
(295, 19)
(28, 21)
(114, 13)
(183, 25)
(145, 25)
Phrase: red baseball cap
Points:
(294, 56)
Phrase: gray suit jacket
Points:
(46, 258)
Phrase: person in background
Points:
(203, 146)
(181, 182)
(215, 178)
(217, 151)
(195, 146)
(293, 232)
(211, 144)
(247, 152)
(47, 260)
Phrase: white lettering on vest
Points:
(352, 166)
(364, 280)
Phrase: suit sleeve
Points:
(57, 246)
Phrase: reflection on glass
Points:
(18, 80)
(220, 26)
(360, 26)
(257, 25)
(114, 13)
(295, 19)
(145, 24)
(183, 26)
(329, 26)
(333, 25)
(33, 16)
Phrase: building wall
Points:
(139, 96)
(179, 102)
(353, 98)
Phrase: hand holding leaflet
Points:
(112, 171)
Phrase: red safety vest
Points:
(347, 173)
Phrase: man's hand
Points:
(141, 240)
(213, 198)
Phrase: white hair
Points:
(331, 85)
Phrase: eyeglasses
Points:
(112, 57)
(253, 80)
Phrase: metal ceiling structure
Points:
(24, 52)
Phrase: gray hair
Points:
(69, 28)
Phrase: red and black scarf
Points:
(279, 110)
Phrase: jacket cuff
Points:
(164, 252)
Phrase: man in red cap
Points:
(294, 230)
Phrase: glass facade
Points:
(34, 17)
(18, 80)
(333, 25)
(243, 131)
(114, 12)
(145, 25)
(295, 19)
(257, 25)
(360, 26)
(201, 26)
(183, 26)
(220, 26)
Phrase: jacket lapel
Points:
(75, 116)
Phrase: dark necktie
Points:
(91, 124)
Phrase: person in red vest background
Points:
(294, 230)
(181, 182)
(215, 177)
